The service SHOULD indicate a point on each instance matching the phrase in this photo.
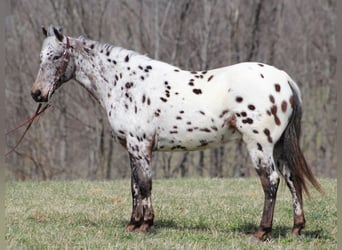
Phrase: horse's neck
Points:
(98, 66)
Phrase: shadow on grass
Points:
(247, 229)
(280, 231)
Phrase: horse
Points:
(154, 106)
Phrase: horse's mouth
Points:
(38, 96)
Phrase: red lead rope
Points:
(29, 122)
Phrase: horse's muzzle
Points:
(37, 96)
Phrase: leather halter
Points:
(62, 69)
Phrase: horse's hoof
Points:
(144, 228)
(296, 232)
(130, 228)
(255, 239)
(262, 236)
(296, 235)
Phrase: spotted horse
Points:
(154, 106)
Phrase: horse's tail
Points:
(292, 153)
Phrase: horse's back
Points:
(209, 106)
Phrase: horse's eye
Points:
(56, 57)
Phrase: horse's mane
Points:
(115, 50)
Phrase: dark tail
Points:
(292, 152)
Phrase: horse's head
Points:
(56, 64)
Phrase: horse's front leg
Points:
(141, 186)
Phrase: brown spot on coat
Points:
(197, 91)
(210, 77)
(224, 112)
(214, 128)
(277, 87)
(274, 113)
(268, 134)
(248, 120)
(129, 85)
(291, 100)
(284, 106)
(251, 107)
(205, 130)
(272, 99)
(239, 99)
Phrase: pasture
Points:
(195, 213)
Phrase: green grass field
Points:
(189, 214)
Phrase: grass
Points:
(190, 214)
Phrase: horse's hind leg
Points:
(262, 158)
(297, 198)
(141, 185)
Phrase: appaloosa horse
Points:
(154, 106)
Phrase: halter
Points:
(62, 69)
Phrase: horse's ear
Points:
(44, 31)
(60, 29)
(58, 34)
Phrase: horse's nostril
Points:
(36, 95)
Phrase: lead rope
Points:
(29, 122)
